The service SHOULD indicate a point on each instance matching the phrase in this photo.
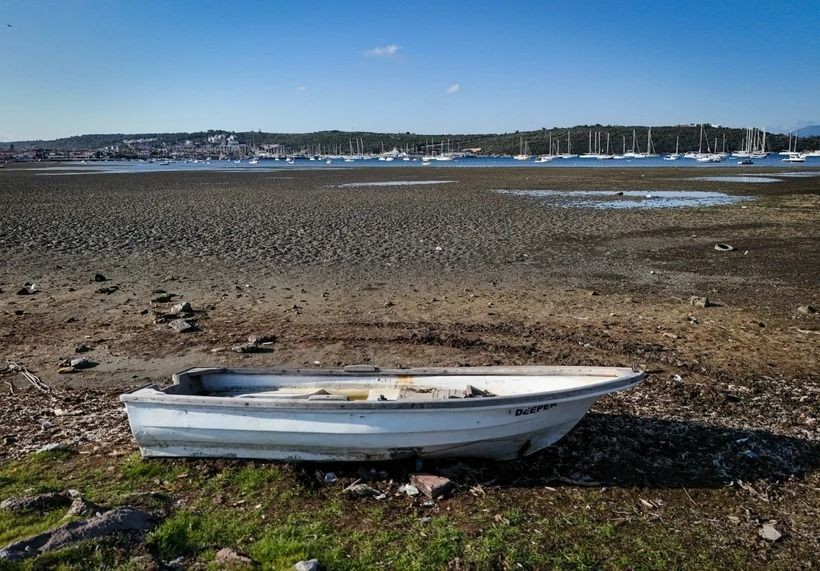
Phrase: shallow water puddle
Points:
(736, 178)
(795, 174)
(394, 183)
(604, 199)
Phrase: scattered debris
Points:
(107, 290)
(722, 247)
(808, 309)
(183, 325)
(35, 381)
(431, 485)
(361, 490)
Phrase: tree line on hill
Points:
(664, 140)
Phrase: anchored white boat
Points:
(363, 413)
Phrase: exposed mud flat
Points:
(444, 275)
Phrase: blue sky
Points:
(103, 66)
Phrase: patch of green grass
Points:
(254, 478)
(134, 468)
(34, 474)
(14, 527)
(192, 531)
(282, 545)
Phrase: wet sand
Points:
(444, 274)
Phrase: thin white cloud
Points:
(455, 88)
(301, 88)
(386, 51)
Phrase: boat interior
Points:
(375, 387)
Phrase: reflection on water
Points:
(627, 199)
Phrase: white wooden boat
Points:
(362, 413)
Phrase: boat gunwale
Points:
(626, 378)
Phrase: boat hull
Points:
(167, 425)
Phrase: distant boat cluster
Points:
(753, 147)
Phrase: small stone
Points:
(82, 348)
(227, 557)
(307, 565)
(807, 309)
(28, 289)
(83, 508)
(431, 485)
(81, 363)
(721, 247)
(99, 278)
(768, 531)
(184, 307)
(247, 348)
(107, 290)
(699, 301)
(52, 447)
(164, 298)
(409, 489)
(183, 325)
(261, 339)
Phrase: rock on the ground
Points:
(117, 520)
(183, 307)
(699, 301)
(183, 325)
(163, 298)
(307, 565)
(99, 278)
(227, 557)
(808, 309)
(81, 363)
(769, 532)
(247, 348)
(431, 485)
(259, 339)
(28, 289)
(83, 508)
(41, 502)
